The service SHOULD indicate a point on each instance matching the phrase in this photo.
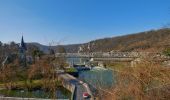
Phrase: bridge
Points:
(99, 55)
(115, 56)
(111, 55)
(132, 57)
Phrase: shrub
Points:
(146, 81)
(167, 52)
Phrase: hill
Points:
(154, 40)
(45, 49)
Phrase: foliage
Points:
(167, 52)
(69, 70)
(154, 40)
(117, 65)
(61, 49)
(146, 81)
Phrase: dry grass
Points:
(146, 81)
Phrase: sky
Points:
(78, 21)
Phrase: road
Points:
(80, 89)
(80, 86)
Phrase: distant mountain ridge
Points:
(154, 40)
(69, 48)
(43, 48)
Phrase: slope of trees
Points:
(155, 40)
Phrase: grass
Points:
(118, 66)
(34, 89)
(26, 84)
(71, 70)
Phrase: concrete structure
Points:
(76, 86)
(132, 57)
(111, 55)
(102, 57)
(99, 55)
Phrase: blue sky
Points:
(78, 21)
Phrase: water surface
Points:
(61, 93)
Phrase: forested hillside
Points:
(154, 40)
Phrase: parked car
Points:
(86, 95)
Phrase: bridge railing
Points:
(98, 54)
(112, 55)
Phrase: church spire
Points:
(23, 45)
(22, 52)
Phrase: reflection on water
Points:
(61, 93)
(98, 77)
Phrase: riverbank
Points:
(61, 93)
(26, 84)
(34, 89)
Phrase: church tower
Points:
(23, 47)
(22, 52)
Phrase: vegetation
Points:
(147, 81)
(153, 40)
(61, 49)
(41, 74)
(117, 65)
(70, 70)
(62, 94)
(167, 52)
